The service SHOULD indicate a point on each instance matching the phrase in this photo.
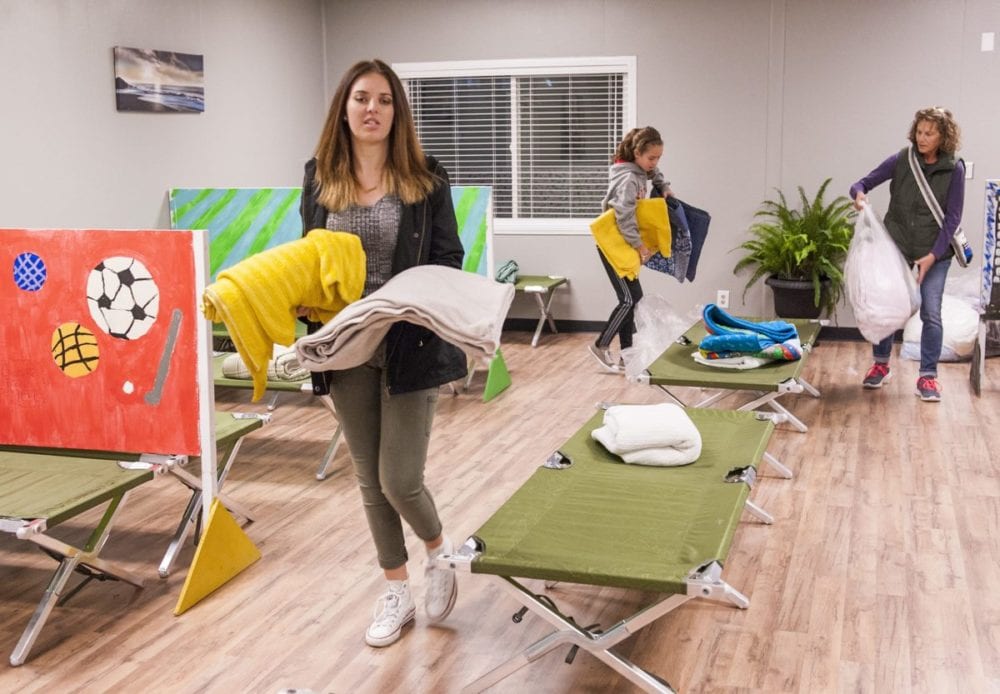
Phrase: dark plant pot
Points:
(794, 298)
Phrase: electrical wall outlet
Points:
(722, 298)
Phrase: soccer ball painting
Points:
(123, 297)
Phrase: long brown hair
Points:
(637, 140)
(951, 136)
(406, 172)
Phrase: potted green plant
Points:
(800, 251)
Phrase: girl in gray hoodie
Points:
(635, 164)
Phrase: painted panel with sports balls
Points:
(100, 340)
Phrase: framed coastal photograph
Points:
(159, 81)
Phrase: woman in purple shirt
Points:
(912, 226)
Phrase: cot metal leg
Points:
(469, 376)
(273, 402)
(759, 513)
(809, 388)
(190, 515)
(173, 549)
(72, 559)
(778, 467)
(544, 307)
(324, 466)
(781, 414)
(195, 484)
(570, 633)
(714, 398)
(672, 396)
(707, 582)
(788, 416)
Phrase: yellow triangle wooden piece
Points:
(224, 551)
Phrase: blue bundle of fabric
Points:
(729, 336)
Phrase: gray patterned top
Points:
(378, 227)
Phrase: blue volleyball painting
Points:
(30, 272)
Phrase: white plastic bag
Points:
(877, 280)
(657, 325)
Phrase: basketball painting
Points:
(100, 343)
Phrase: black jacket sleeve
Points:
(446, 246)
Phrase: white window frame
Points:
(454, 69)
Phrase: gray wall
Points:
(749, 94)
(69, 159)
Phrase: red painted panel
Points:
(140, 394)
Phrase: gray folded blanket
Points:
(463, 308)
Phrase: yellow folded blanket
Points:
(257, 297)
(654, 229)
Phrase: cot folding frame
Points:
(703, 582)
(278, 387)
(73, 559)
(520, 554)
(676, 368)
(133, 470)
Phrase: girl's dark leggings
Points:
(622, 318)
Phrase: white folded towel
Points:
(635, 427)
(463, 308)
(662, 457)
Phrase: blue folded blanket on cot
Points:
(729, 336)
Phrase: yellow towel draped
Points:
(654, 230)
(257, 297)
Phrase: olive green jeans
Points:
(388, 437)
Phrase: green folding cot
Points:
(41, 488)
(586, 518)
(537, 286)
(765, 384)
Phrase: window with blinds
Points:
(542, 133)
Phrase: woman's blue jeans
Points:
(931, 293)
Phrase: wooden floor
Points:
(880, 574)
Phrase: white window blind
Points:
(542, 133)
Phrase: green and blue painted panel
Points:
(240, 221)
(474, 212)
(244, 221)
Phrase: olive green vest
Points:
(909, 221)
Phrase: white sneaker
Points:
(441, 588)
(393, 610)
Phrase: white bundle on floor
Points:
(660, 435)
(959, 325)
(463, 308)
